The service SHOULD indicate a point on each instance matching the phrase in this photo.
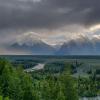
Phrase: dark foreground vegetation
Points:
(18, 85)
(47, 84)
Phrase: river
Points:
(91, 98)
(37, 67)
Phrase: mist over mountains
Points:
(32, 44)
(81, 45)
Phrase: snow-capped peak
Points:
(28, 39)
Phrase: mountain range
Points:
(81, 45)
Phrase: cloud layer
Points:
(48, 13)
(55, 20)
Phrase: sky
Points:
(53, 21)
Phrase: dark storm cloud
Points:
(48, 13)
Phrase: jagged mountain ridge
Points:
(81, 45)
(36, 49)
(33, 44)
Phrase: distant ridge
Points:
(79, 46)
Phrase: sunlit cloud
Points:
(95, 27)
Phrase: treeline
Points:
(89, 87)
(15, 84)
